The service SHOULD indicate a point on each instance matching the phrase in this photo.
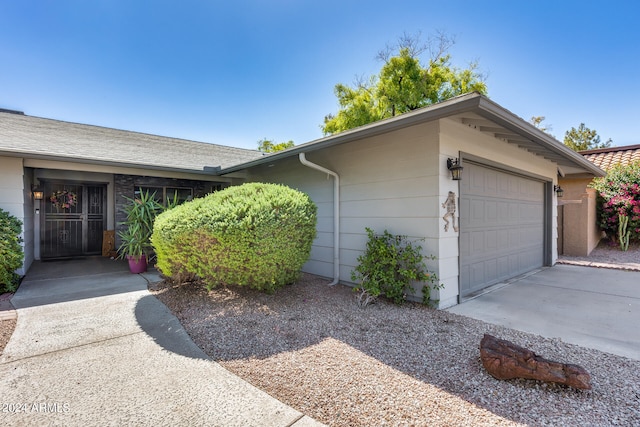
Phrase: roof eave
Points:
(506, 118)
(27, 155)
(444, 109)
(472, 102)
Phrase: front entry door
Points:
(74, 219)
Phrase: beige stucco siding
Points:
(580, 221)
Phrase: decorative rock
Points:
(505, 360)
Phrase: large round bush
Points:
(256, 235)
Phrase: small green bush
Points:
(11, 254)
(256, 235)
(389, 266)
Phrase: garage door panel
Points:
(491, 240)
(503, 211)
(491, 268)
(491, 183)
(491, 212)
(503, 238)
(529, 235)
(477, 241)
(465, 245)
(477, 211)
(502, 227)
(514, 239)
(503, 266)
(465, 278)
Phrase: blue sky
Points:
(234, 72)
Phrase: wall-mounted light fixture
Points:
(559, 191)
(38, 194)
(456, 170)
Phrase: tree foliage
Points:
(584, 138)
(537, 121)
(269, 146)
(403, 84)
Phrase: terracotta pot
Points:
(137, 265)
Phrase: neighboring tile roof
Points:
(605, 158)
(46, 138)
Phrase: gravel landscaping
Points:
(312, 347)
(608, 255)
(6, 330)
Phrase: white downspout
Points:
(336, 215)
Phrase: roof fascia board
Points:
(447, 108)
(492, 111)
(103, 163)
(469, 102)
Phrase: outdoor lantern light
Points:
(454, 166)
(38, 194)
(559, 191)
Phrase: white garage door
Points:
(501, 227)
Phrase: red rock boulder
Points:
(505, 360)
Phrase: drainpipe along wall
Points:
(336, 214)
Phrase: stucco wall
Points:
(580, 233)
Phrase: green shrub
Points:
(11, 254)
(256, 235)
(389, 266)
(135, 239)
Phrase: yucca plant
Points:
(141, 214)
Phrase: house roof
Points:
(605, 158)
(39, 138)
(34, 137)
(472, 109)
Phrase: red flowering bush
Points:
(619, 194)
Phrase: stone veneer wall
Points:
(125, 184)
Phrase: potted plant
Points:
(135, 239)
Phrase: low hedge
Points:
(256, 235)
(11, 254)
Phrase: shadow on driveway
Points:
(159, 323)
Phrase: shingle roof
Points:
(605, 158)
(46, 138)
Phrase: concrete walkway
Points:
(592, 307)
(93, 347)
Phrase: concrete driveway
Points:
(592, 307)
(93, 347)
